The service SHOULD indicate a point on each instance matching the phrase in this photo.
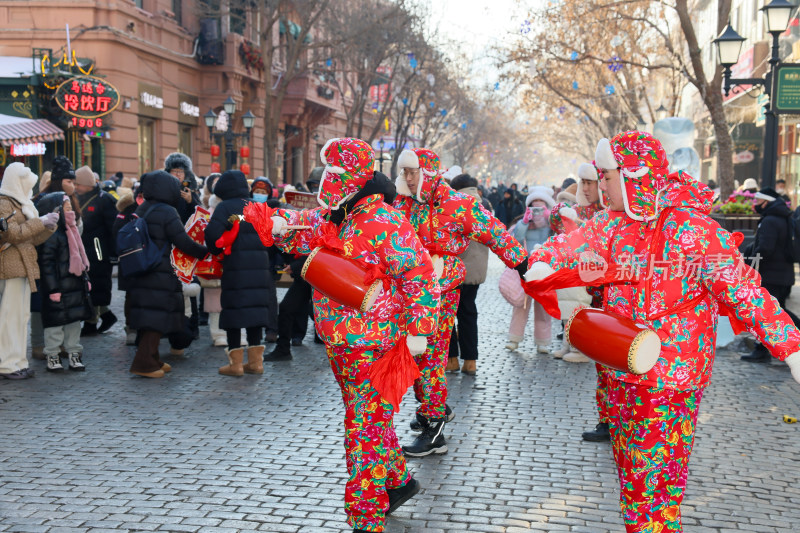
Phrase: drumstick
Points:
(297, 227)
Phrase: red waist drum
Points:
(614, 341)
(341, 279)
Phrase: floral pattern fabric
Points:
(652, 433)
(449, 221)
(430, 388)
(375, 234)
(677, 272)
(375, 461)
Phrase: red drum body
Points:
(341, 279)
(613, 341)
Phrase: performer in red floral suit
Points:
(682, 267)
(445, 221)
(357, 220)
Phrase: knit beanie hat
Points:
(85, 176)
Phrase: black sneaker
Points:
(421, 421)
(431, 440)
(108, 319)
(278, 355)
(297, 342)
(600, 433)
(271, 337)
(401, 495)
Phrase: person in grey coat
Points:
(464, 339)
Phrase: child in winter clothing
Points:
(64, 284)
(533, 229)
(127, 204)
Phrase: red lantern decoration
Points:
(215, 168)
(245, 168)
(214, 150)
(244, 151)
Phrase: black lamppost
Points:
(228, 135)
(729, 45)
(381, 144)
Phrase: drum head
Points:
(374, 292)
(644, 352)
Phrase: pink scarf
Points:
(78, 263)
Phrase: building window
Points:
(238, 19)
(177, 9)
(139, 3)
(147, 145)
(185, 140)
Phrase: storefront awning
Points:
(16, 130)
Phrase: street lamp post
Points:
(729, 45)
(381, 144)
(249, 119)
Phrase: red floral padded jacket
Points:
(447, 223)
(679, 269)
(376, 234)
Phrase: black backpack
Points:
(137, 253)
(794, 236)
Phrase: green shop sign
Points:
(787, 99)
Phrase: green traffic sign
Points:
(787, 100)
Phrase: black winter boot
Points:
(758, 355)
(89, 329)
(278, 354)
(421, 421)
(401, 495)
(108, 319)
(431, 440)
(600, 433)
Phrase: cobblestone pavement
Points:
(199, 452)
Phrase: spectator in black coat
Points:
(292, 312)
(64, 284)
(180, 167)
(509, 208)
(156, 297)
(126, 206)
(248, 290)
(772, 247)
(98, 210)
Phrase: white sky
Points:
(475, 26)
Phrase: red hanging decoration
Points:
(215, 168)
(245, 168)
(244, 151)
(214, 150)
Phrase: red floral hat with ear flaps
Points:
(589, 172)
(429, 165)
(349, 165)
(643, 167)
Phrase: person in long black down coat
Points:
(156, 297)
(247, 285)
(64, 285)
(772, 246)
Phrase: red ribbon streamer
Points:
(394, 373)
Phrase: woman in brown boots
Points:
(246, 276)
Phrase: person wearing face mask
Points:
(64, 285)
(780, 190)
(261, 192)
(532, 230)
(356, 220)
(772, 247)
(446, 222)
(685, 270)
(19, 268)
